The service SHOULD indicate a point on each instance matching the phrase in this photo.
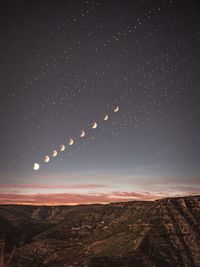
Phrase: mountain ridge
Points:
(164, 232)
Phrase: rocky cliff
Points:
(158, 233)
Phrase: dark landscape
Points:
(160, 233)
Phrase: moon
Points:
(82, 133)
(106, 117)
(46, 159)
(116, 109)
(71, 141)
(36, 166)
(54, 153)
(62, 147)
(94, 126)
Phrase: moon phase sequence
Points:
(62, 147)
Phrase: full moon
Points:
(36, 166)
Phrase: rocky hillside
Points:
(158, 233)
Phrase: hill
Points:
(140, 233)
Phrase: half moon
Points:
(62, 148)
(54, 153)
(82, 133)
(46, 159)
(71, 141)
(106, 117)
(94, 126)
(116, 109)
(36, 166)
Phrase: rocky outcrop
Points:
(158, 233)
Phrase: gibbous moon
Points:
(46, 159)
(116, 109)
(62, 147)
(71, 141)
(94, 126)
(82, 133)
(36, 166)
(54, 153)
(106, 117)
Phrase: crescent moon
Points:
(62, 147)
(82, 133)
(116, 109)
(36, 166)
(46, 159)
(106, 117)
(71, 141)
(94, 126)
(54, 153)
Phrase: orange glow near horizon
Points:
(75, 199)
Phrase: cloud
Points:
(72, 199)
(46, 186)
(87, 193)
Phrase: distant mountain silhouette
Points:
(140, 233)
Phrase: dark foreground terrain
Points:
(158, 233)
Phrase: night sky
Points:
(64, 65)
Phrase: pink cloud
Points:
(67, 199)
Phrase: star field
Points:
(65, 64)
